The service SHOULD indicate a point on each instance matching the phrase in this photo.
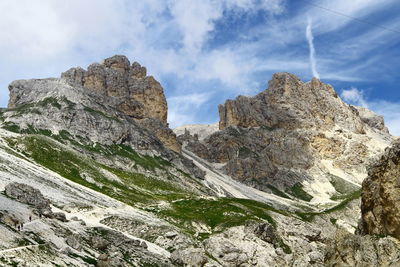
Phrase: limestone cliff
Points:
(291, 104)
(138, 95)
(377, 240)
(293, 134)
(380, 204)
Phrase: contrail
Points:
(310, 38)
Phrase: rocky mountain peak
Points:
(114, 88)
(139, 95)
(292, 104)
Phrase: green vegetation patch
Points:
(133, 188)
(64, 137)
(12, 127)
(217, 214)
(21, 242)
(86, 259)
(276, 191)
(343, 188)
(309, 216)
(298, 192)
(48, 101)
(98, 112)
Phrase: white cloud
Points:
(389, 110)
(195, 20)
(182, 108)
(354, 96)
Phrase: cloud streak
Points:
(310, 39)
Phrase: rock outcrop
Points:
(291, 104)
(28, 195)
(139, 95)
(347, 249)
(380, 206)
(372, 119)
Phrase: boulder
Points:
(73, 242)
(60, 216)
(28, 195)
(380, 205)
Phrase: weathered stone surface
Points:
(267, 233)
(189, 257)
(139, 96)
(60, 216)
(347, 249)
(28, 195)
(136, 94)
(372, 119)
(380, 206)
(133, 115)
(165, 134)
(289, 103)
(73, 242)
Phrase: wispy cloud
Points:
(310, 39)
(354, 96)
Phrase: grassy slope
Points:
(185, 208)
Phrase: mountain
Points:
(94, 175)
(296, 139)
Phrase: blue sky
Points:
(206, 51)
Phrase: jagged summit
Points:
(140, 95)
(290, 103)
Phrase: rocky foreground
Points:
(91, 175)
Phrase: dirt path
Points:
(18, 248)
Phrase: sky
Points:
(206, 51)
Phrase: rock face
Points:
(113, 89)
(291, 134)
(347, 249)
(380, 205)
(372, 119)
(139, 95)
(289, 103)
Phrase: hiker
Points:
(30, 218)
(18, 227)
